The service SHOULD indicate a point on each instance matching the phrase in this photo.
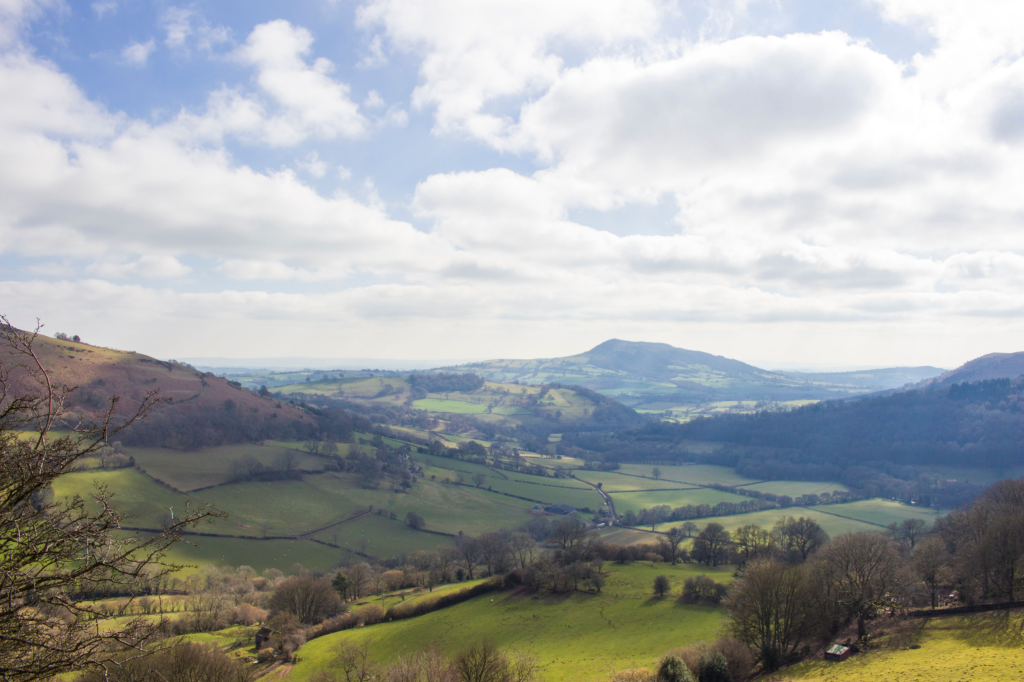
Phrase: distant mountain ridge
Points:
(658, 376)
(991, 366)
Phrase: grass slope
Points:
(953, 649)
(579, 637)
(191, 469)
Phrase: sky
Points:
(789, 183)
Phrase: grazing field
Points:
(613, 482)
(190, 469)
(380, 536)
(952, 649)
(796, 488)
(836, 519)
(578, 637)
(882, 512)
(455, 406)
(134, 493)
(833, 525)
(674, 498)
(260, 554)
(696, 474)
(293, 507)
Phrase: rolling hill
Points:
(660, 377)
(100, 373)
(991, 366)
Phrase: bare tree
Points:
(930, 559)
(670, 544)
(522, 545)
(710, 544)
(447, 558)
(469, 554)
(307, 598)
(862, 568)
(49, 548)
(767, 610)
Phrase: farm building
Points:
(559, 509)
(837, 652)
(263, 636)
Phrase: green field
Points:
(455, 406)
(613, 482)
(796, 488)
(380, 536)
(881, 512)
(191, 469)
(134, 493)
(578, 637)
(836, 519)
(983, 647)
(696, 474)
(674, 498)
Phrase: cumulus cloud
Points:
(137, 54)
(820, 187)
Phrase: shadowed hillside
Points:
(991, 366)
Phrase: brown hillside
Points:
(99, 373)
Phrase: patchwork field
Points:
(579, 637)
(795, 488)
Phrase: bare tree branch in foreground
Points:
(52, 552)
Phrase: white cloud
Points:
(185, 25)
(373, 100)
(313, 165)
(147, 267)
(374, 56)
(104, 7)
(137, 54)
(474, 53)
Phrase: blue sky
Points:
(816, 183)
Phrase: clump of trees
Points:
(445, 383)
(484, 662)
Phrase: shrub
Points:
(661, 586)
(264, 655)
(737, 657)
(183, 662)
(310, 599)
(702, 590)
(371, 614)
(712, 667)
(247, 614)
(634, 675)
(672, 669)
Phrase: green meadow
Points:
(191, 469)
(674, 498)
(695, 474)
(455, 406)
(796, 488)
(580, 637)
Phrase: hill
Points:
(193, 397)
(879, 444)
(991, 366)
(660, 377)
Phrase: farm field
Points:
(134, 493)
(579, 637)
(952, 649)
(796, 488)
(882, 512)
(697, 474)
(380, 536)
(456, 406)
(293, 507)
(613, 482)
(190, 469)
(674, 498)
(259, 554)
(836, 519)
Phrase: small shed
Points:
(263, 636)
(837, 652)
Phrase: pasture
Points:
(454, 406)
(979, 647)
(674, 498)
(612, 482)
(796, 488)
(579, 637)
(694, 474)
(190, 469)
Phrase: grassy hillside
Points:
(982, 647)
(578, 637)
